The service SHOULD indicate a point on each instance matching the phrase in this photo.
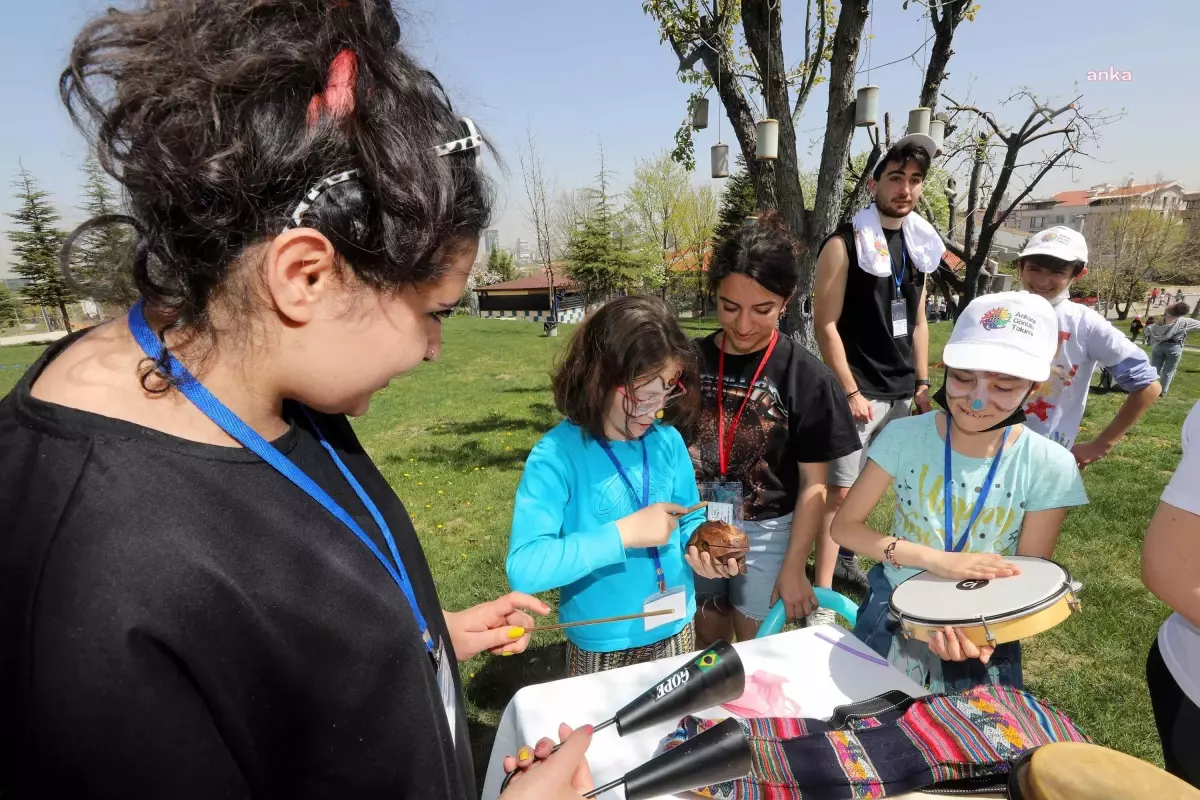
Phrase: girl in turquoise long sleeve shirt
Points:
(601, 492)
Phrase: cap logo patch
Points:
(996, 318)
(1054, 236)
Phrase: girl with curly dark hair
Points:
(208, 589)
(771, 417)
(597, 512)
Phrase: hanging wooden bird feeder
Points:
(766, 146)
(720, 161)
(700, 114)
(918, 120)
(866, 107)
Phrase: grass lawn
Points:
(452, 439)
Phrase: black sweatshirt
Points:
(178, 620)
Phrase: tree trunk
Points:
(62, 308)
(944, 23)
(831, 178)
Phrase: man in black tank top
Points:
(872, 330)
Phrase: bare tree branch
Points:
(813, 64)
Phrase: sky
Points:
(582, 72)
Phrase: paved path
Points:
(32, 338)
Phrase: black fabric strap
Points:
(892, 704)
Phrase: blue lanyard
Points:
(644, 499)
(899, 279)
(229, 422)
(948, 530)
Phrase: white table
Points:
(820, 677)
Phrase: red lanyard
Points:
(724, 452)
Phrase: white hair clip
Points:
(472, 141)
(315, 192)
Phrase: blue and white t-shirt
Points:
(1034, 474)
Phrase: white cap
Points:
(921, 140)
(1057, 242)
(1012, 333)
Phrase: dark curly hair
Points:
(200, 110)
(625, 339)
(763, 251)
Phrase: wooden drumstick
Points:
(560, 625)
(692, 510)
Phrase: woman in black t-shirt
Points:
(772, 416)
(207, 590)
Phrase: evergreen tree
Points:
(501, 263)
(599, 254)
(10, 307)
(737, 202)
(102, 258)
(36, 243)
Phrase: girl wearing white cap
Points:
(973, 485)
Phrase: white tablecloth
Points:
(820, 677)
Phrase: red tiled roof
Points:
(1073, 198)
(685, 260)
(529, 282)
(952, 261)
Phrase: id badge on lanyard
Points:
(900, 305)
(445, 680)
(672, 599)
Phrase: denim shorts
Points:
(750, 592)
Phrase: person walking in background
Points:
(1135, 328)
(1167, 340)
(870, 320)
(1178, 295)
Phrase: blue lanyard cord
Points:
(899, 279)
(229, 422)
(640, 502)
(948, 530)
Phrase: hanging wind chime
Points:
(720, 152)
(766, 143)
(866, 105)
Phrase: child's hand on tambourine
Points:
(951, 644)
(966, 566)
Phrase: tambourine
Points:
(1077, 771)
(989, 612)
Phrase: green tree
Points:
(501, 263)
(10, 307)
(738, 201)
(656, 201)
(36, 243)
(102, 257)
(602, 257)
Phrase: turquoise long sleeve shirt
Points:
(564, 532)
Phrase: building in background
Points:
(1074, 208)
(527, 299)
(491, 241)
(523, 253)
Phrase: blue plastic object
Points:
(840, 604)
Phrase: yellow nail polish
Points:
(516, 633)
(523, 755)
(507, 653)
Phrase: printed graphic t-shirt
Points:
(797, 412)
(1034, 475)
(1085, 339)
(1178, 639)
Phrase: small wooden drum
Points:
(1076, 771)
(989, 612)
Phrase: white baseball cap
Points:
(1012, 333)
(921, 140)
(1057, 242)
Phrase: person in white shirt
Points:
(1170, 561)
(1052, 260)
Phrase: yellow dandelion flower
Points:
(440, 491)
(440, 525)
(420, 483)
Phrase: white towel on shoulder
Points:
(922, 243)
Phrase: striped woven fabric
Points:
(964, 741)
(585, 662)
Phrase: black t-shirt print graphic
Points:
(796, 413)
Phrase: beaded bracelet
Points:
(889, 553)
